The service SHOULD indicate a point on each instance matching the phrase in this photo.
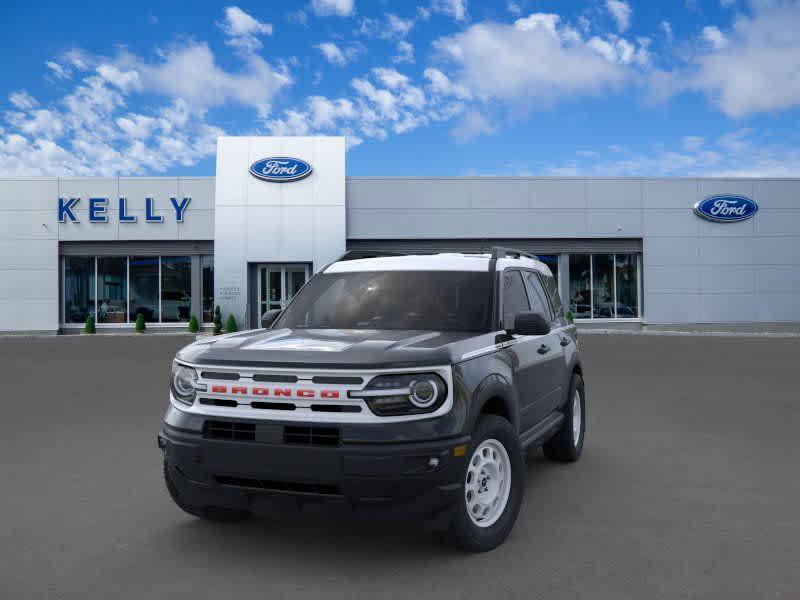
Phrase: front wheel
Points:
(493, 487)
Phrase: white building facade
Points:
(629, 252)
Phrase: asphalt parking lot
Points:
(688, 488)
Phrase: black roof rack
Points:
(502, 252)
(357, 254)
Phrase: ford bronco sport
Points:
(391, 385)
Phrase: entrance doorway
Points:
(278, 283)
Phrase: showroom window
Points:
(117, 289)
(604, 286)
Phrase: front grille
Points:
(311, 436)
(275, 378)
(229, 430)
(336, 379)
(294, 487)
(220, 375)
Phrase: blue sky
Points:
(436, 87)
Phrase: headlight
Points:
(406, 394)
(183, 383)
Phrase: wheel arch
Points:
(495, 396)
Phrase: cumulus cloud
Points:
(537, 59)
(405, 52)
(715, 37)
(621, 12)
(339, 8)
(471, 125)
(243, 29)
(336, 55)
(453, 8)
(757, 66)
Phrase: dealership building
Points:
(670, 253)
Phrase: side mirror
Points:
(530, 323)
(268, 318)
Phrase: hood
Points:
(329, 348)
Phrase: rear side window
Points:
(538, 298)
(515, 299)
(551, 286)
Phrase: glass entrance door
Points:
(277, 284)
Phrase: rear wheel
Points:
(211, 513)
(567, 444)
(493, 487)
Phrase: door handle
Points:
(543, 349)
(565, 341)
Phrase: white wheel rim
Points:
(576, 417)
(488, 483)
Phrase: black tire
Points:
(463, 532)
(563, 447)
(210, 513)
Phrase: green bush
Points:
(89, 327)
(230, 325)
(140, 324)
(570, 317)
(217, 321)
(194, 327)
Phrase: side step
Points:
(541, 432)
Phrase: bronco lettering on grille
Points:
(242, 390)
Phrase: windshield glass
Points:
(432, 300)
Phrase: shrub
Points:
(140, 324)
(570, 317)
(230, 325)
(217, 321)
(89, 327)
(194, 327)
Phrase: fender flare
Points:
(494, 386)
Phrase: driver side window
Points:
(515, 298)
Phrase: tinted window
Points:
(551, 287)
(515, 300)
(428, 300)
(537, 296)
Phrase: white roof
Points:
(433, 262)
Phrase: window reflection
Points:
(144, 287)
(207, 267)
(627, 286)
(603, 286)
(112, 290)
(176, 289)
(78, 288)
(580, 299)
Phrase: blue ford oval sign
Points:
(726, 209)
(280, 169)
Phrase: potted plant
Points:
(194, 327)
(217, 321)
(140, 324)
(89, 327)
(230, 325)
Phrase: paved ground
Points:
(688, 488)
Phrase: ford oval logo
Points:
(280, 169)
(726, 209)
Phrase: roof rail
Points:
(357, 254)
(502, 252)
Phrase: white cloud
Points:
(727, 3)
(758, 70)
(405, 53)
(398, 27)
(715, 37)
(692, 143)
(243, 29)
(22, 100)
(473, 124)
(336, 55)
(453, 8)
(514, 8)
(339, 8)
(666, 27)
(621, 11)
(441, 84)
(536, 60)
(735, 154)
(57, 70)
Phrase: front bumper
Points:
(405, 480)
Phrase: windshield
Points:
(432, 300)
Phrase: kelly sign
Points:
(99, 208)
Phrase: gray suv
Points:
(391, 386)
